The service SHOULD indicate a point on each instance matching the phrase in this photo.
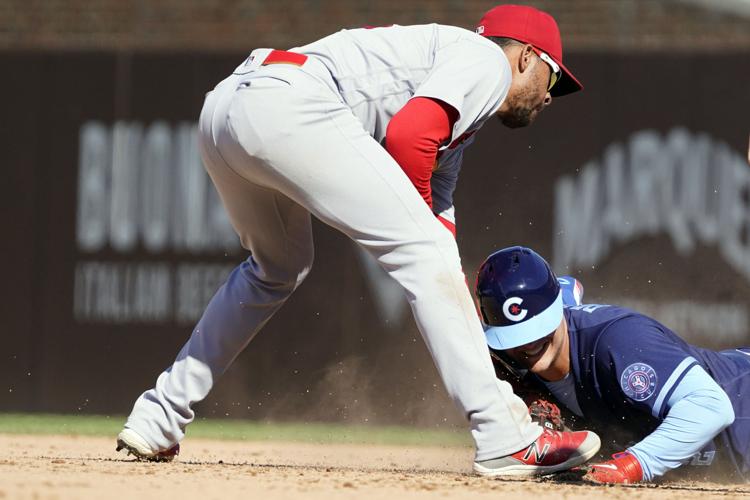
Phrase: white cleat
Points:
(135, 445)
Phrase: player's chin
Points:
(520, 117)
(537, 360)
(515, 121)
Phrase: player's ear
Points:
(525, 57)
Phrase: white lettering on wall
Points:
(143, 190)
(124, 192)
(94, 158)
(689, 186)
(686, 185)
(146, 185)
(144, 292)
(122, 292)
(155, 184)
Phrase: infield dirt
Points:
(65, 467)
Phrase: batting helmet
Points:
(519, 298)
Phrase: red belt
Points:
(284, 57)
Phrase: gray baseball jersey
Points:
(376, 71)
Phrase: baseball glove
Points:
(547, 415)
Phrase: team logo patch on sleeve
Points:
(638, 381)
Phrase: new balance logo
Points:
(534, 450)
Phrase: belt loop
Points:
(252, 62)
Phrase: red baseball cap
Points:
(529, 25)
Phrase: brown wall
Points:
(106, 268)
(201, 25)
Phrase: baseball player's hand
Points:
(547, 415)
(624, 468)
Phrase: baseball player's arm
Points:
(413, 138)
(698, 410)
(658, 377)
(443, 184)
(473, 78)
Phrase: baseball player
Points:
(666, 402)
(365, 129)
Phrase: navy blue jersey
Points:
(626, 366)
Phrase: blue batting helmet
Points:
(519, 298)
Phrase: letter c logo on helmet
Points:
(512, 309)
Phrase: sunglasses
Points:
(555, 74)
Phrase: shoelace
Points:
(552, 433)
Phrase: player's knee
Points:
(284, 275)
(303, 269)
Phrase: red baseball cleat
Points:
(553, 451)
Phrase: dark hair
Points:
(503, 41)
